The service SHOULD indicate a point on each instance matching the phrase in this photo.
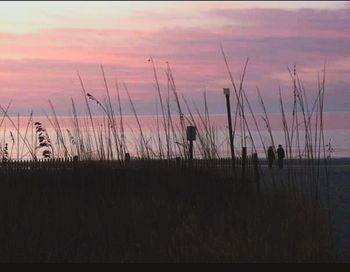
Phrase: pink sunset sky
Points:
(44, 44)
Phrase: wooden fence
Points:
(246, 169)
(61, 163)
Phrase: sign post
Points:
(191, 136)
(227, 95)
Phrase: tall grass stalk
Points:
(240, 101)
(30, 121)
(160, 150)
(30, 148)
(81, 153)
(161, 106)
(89, 112)
(123, 147)
(144, 147)
(255, 122)
(171, 81)
(112, 126)
(266, 118)
(285, 127)
(58, 129)
(5, 112)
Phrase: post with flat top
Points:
(227, 95)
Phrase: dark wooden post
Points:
(191, 150)
(227, 95)
(191, 136)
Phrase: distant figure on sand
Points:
(270, 156)
(280, 154)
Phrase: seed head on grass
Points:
(5, 154)
(44, 140)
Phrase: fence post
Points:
(191, 136)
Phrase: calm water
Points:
(336, 132)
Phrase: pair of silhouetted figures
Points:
(271, 156)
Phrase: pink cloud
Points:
(45, 63)
(286, 23)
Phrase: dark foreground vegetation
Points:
(92, 210)
(151, 212)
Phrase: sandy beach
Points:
(334, 192)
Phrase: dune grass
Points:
(151, 212)
(150, 209)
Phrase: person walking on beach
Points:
(270, 156)
(280, 155)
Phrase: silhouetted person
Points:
(270, 156)
(280, 155)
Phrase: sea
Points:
(252, 133)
